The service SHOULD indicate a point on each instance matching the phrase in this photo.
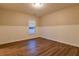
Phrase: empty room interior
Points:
(39, 29)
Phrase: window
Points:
(32, 26)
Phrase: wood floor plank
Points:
(49, 51)
(72, 52)
(59, 51)
(64, 52)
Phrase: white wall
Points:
(15, 33)
(68, 34)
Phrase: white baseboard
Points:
(61, 41)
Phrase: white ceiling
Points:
(29, 9)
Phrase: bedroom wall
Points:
(62, 26)
(14, 26)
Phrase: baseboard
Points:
(12, 43)
(66, 43)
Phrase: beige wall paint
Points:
(66, 16)
(62, 26)
(12, 18)
(14, 26)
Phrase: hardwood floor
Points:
(38, 47)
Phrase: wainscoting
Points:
(15, 33)
(68, 34)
